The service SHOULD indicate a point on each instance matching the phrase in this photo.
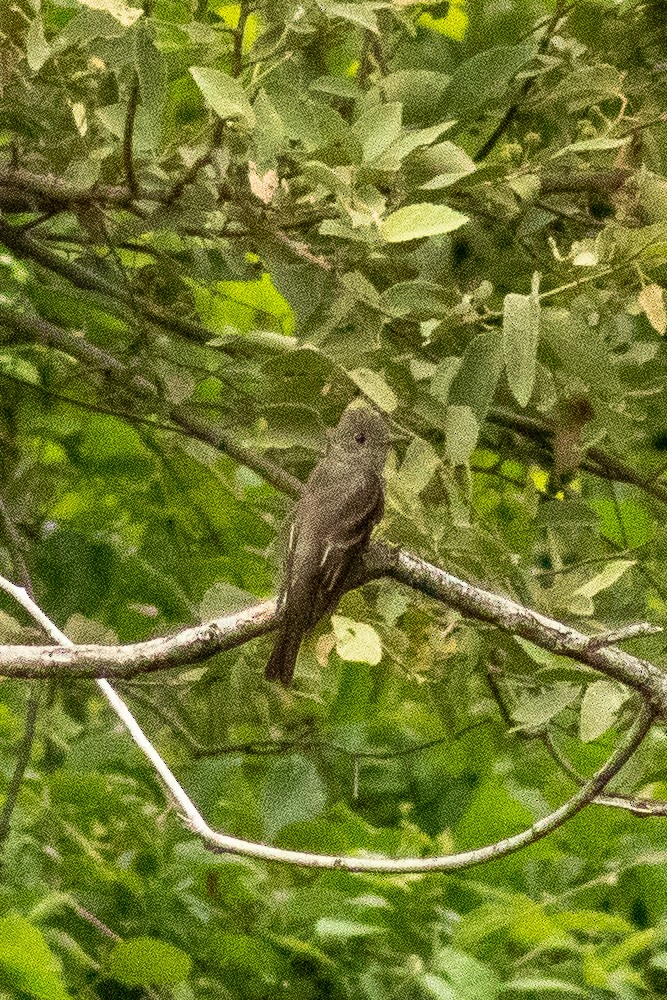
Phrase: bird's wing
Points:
(347, 517)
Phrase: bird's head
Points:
(362, 434)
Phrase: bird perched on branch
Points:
(342, 500)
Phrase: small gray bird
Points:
(341, 502)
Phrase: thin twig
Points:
(128, 136)
(616, 635)
(245, 10)
(22, 761)
(525, 90)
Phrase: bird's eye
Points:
(360, 438)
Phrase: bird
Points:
(342, 501)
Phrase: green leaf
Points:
(534, 709)
(416, 221)
(293, 792)
(146, 961)
(421, 299)
(149, 63)
(612, 572)
(118, 9)
(451, 162)
(26, 961)
(37, 48)
(591, 145)
(521, 333)
(244, 306)
(345, 929)
(593, 922)
(224, 599)
(377, 129)
(356, 641)
(224, 93)
(599, 708)
(473, 980)
(475, 382)
(417, 468)
(420, 91)
(19, 367)
(438, 988)
(393, 157)
(443, 378)
(540, 986)
(360, 14)
(461, 431)
(484, 77)
(269, 135)
(373, 385)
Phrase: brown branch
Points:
(595, 460)
(50, 193)
(601, 181)
(83, 277)
(190, 176)
(22, 761)
(526, 88)
(184, 421)
(237, 55)
(128, 136)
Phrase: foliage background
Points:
(235, 218)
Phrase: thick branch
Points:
(508, 615)
(197, 643)
(191, 645)
(233, 845)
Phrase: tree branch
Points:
(506, 614)
(83, 277)
(185, 422)
(453, 862)
(594, 460)
(237, 55)
(22, 760)
(128, 136)
(200, 642)
(639, 807)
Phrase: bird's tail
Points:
(283, 658)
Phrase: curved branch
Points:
(446, 863)
(233, 845)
